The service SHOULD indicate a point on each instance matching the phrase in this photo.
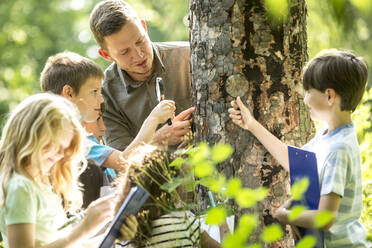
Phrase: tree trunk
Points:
(235, 51)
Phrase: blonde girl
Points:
(40, 160)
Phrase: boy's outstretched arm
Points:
(242, 117)
(160, 114)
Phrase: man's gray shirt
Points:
(128, 103)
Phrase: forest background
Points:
(32, 30)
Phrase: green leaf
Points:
(247, 223)
(216, 216)
(221, 152)
(177, 163)
(172, 185)
(246, 198)
(204, 169)
(233, 187)
(200, 154)
(205, 181)
(322, 218)
(261, 193)
(277, 8)
(217, 185)
(235, 240)
(296, 212)
(307, 242)
(253, 246)
(272, 233)
(299, 188)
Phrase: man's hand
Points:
(174, 134)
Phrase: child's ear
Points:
(331, 95)
(67, 92)
(104, 54)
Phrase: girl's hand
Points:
(129, 229)
(240, 114)
(163, 111)
(98, 214)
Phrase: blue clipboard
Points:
(132, 204)
(302, 164)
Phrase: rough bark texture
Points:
(236, 51)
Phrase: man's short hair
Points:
(340, 70)
(108, 17)
(68, 68)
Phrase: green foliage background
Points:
(32, 30)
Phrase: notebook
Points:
(132, 204)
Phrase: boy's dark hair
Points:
(68, 68)
(340, 70)
(108, 17)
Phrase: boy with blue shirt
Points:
(79, 79)
(97, 128)
(334, 84)
(95, 131)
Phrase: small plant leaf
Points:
(247, 223)
(204, 169)
(177, 163)
(308, 241)
(299, 188)
(261, 193)
(246, 198)
(233, 187)
(235, 240)
(216, 216)
(172, 185)
(296, 212)
(253, 246)
(323, 218)
(200, 154)
(217, 185)
(221, 152)
(272, 233)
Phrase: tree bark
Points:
(235, 50)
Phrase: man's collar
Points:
(157, 56)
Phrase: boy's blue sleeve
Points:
(99, 153)
(335, 173)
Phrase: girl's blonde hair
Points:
(36, 123)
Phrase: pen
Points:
(159, 87)
(211, 198)
(74, 219)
